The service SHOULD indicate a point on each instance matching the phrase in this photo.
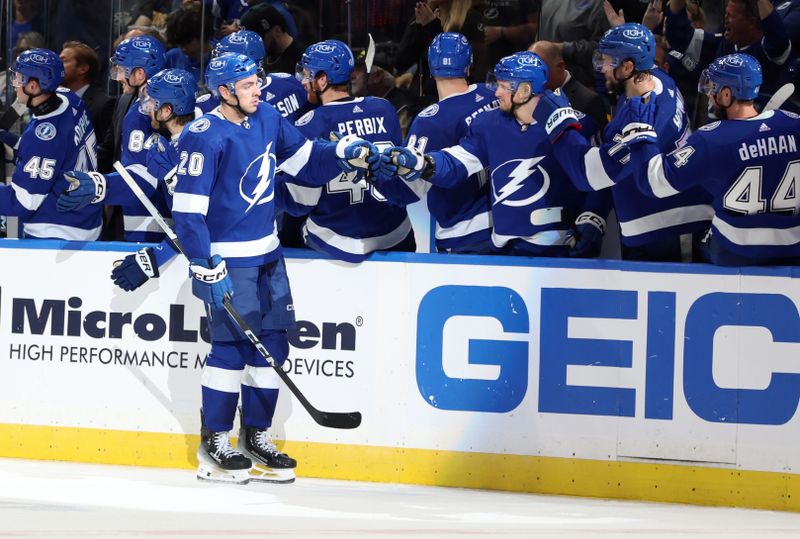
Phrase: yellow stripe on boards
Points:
(518, 473)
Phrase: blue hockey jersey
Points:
(752, 170)
(463, 215)
(281, 90)
(284, 92)
(534, 203)
(51, 145)
(224, 196)
(347, 217)
(138, 136)
(642, 220)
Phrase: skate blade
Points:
(264, 474)
(214, 474)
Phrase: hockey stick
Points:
(370, 57)
(779, 97)
(334, 420)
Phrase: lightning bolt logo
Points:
(264, 179)
(524, 169)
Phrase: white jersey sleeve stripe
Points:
(29, 201)
(189, 203)
(261, 377)
(757, 236)
(307, 196)
(482, 221)
(224, 380)
(658, 180)
(295, 163)
(141, 171)
(470, 162)
(595, 171)
(64, 232)
(665, 219)
(359, 246)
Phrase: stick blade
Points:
(370, 54)
(338, 420)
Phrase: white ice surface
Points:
(53, 499)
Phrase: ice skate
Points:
(219, 462)
(269, 464)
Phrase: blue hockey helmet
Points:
(226, 69)
(139, 51)
(331, 57)
(41, 64)
(449, 55)
(629, 41)
(174, 87)
(520, 67)
(740, 72)
(243, 42)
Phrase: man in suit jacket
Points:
(81, 65)
(583, 99)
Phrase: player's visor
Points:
(148, 104)
(302, 74)
(493, 84)
(600, 61)
(707, 86)
(18, 80)
(117, 72)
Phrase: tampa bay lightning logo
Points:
(255, 185)
(523, 181)
(45, 131)
(304, 119)
(430, 111)
(200, 125)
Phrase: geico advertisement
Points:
(562, 359)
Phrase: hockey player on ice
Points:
(59, 137)
(348, 218)
(536, 211)
(749, 162)
(463, 215)
(224, 213)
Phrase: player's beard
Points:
(616, 86)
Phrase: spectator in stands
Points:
(579, 25)
(27, 18)
(283, 51)
(431, 19)
(81, 65)
(189, 32)
(509, 26)
(280, 7)
(751, 25)
(789, 10)
(583, 99)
